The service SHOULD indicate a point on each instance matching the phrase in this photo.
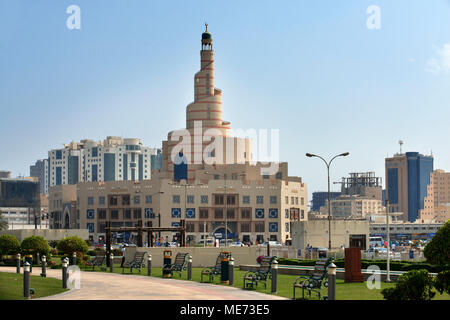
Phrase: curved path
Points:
(113, 286)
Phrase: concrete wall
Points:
(201, 257)
(50, 234)
(315, 232)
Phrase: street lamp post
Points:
(388, 278)
(310, 155)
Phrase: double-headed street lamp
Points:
(310, 155)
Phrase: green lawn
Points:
(344, 291)
(11, 286)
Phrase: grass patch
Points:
(11, 286)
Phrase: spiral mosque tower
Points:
(204, 118)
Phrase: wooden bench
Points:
(138, 262)
(316, 281)
(178, 265)
(214, 270)
(99, 260)
(264, 272)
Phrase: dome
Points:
(206, 36)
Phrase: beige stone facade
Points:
(437, 201)
(353, 206)
(62, 207)
(254, 211)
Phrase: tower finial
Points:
(206, 25)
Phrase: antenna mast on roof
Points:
(400, 142)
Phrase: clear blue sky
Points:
(309, 68)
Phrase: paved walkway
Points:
(112, 286)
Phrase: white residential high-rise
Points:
(110, 160)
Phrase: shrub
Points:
(116, 252)
(9, 244)
(73, 244)
(54, 252)
(53, 243)
(442, 282)
(413, 285)
(35, 244)
(437, 251)
(91, 253)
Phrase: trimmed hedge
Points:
(382, 264)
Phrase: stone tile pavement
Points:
(107, 286)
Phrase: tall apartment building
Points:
(20, 202)
(437, 202)
(407, 178)
(40, 171)
(109, 160)
(355, 206)
(320, 198)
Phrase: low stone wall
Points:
(201, 257)
(48, 234)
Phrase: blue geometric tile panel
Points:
(90, 214)
(176, 212)
(273, 226)
(259, 213)
(273, 213)
(190, 213)
(148, 213)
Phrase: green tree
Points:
(442, 282)
(3, 223)
(9, 244)
(437, 251)
(412, 285)
(72, 244)
(35, 244)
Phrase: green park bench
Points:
(138, 262)
(178, 265)
(316, 281)
(214, 270)
(264, 272)
(99, 260)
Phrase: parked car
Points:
(271, 243)
(237, 244)
(378, 253)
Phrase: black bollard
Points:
(26, 280)
(111, 263)
(44, 265)
(18, 263)
(231, 268)
(149, 265)
(64, 274)
(189, 269)
(332, 281)
(274, 276)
